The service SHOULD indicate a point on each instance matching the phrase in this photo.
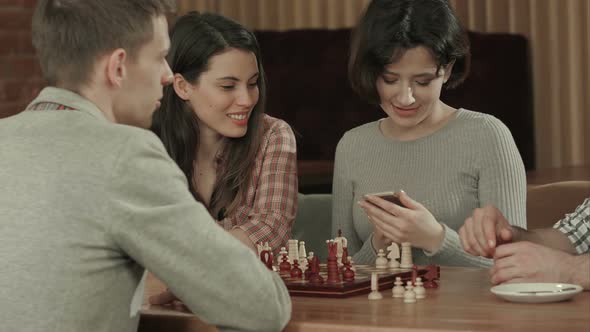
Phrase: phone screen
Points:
(389, 196)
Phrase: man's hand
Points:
(529, 262)
(167, 298)
(484, 230)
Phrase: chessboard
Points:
(360, 285)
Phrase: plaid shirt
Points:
(48, 107)
(267, 211)
(576, 226)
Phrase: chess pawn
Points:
(374, 295)
(409, 295)
(398, 290)
(296, 272)
(381, 261)
(419, 289)
(285, 266)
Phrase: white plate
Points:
(536, 292)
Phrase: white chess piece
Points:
(374, 295)
(409, 295)
(341, 242)
(398, 290)
(302, 251)
(302, 256)
(293, 250)
(406, 259)
(352, 267)
(393, 255)
(419, 289)
(381, 261)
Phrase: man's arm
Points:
(487, 228)
(158, 224)
(549, 237)
(581, 271)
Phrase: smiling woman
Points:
(448, 161)
(239, 162)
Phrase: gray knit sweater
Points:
(87, 205)
(470, 162)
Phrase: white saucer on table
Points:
(536, 292)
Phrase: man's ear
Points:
(448, 71)
(116, 67)
(182, 87)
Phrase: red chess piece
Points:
(348, 274)
(267, 258)
(316, 278)
(314, 271)
(285, 266)
(308, 272)
(344, 255)
(333, 274)
(432, 273)
(344, 259)
(414, 274)
(296, 271)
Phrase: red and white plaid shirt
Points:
(268, 209)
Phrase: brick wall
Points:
(20, 74)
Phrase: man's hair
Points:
(69, 35)
(389, 28)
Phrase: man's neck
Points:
(102, 100)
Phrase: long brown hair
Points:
(195, 38)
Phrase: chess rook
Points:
(406, 259)
(333, 273)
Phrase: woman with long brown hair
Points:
(239, 162)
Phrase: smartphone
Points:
(390, 196)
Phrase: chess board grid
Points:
(361, 284)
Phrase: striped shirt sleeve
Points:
(576, 226)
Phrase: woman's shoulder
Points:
(364, 130)
(272, 124)
(275, 129)
(480, 122)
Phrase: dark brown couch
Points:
(308, 87)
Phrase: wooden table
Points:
(463, 302)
